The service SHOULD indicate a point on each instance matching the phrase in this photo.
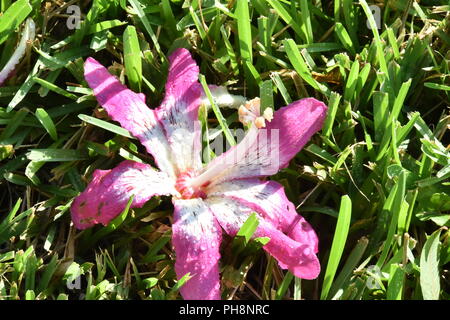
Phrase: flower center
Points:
(185, 188)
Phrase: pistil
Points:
(249, 114)
(227, 160)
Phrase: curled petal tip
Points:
(90, 64)
(319, 105)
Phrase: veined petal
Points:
(129, 109)
(179, 111)
(110, 190)
(269, 199)
(299, 258)
(196, 239)
(265, 151)
(296, 124)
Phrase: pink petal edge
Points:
(297, 123)
(299, 258)
(178, 112)
(110, 190)
(129, 109)
(274, 146)
(269, 200)
(196, 238)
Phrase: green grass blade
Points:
(437, 86)
(333, 104)
(286, 16)
(132, 57)
(429, 267)
(393, 42)
(13, 125)
(400, 99)
(349, 266)
(55, 88)
(168, 15)
(200, 28)
(25, 87)
(299, 63)
(11, 214)
(114, 224)
(137, 6)
(218, 114)
(389, 125)
(248, 228)
(284, 285)
(244, 31)
(47, 123)
(106, 125)
(344, 37)
(266, 95)
(337, 247)
(306, 21)
(377, 39)
(351, 81)
(395, 283)
(399, 194)
(230, 51)
(280, 85)
(381, 113)
(13, 17)
(55, 155)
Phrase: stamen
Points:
(268, 114)
(245, 117)
(251, 113)
(260, 122)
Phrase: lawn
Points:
(373, 182)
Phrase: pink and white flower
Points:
(206, 198)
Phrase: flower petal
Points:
(222, 98)
(265, 151)
(269, 199)
(179, 111)
(299, 258)
(129, 109)
(196, 239)
(110, 190)
(28, 35)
